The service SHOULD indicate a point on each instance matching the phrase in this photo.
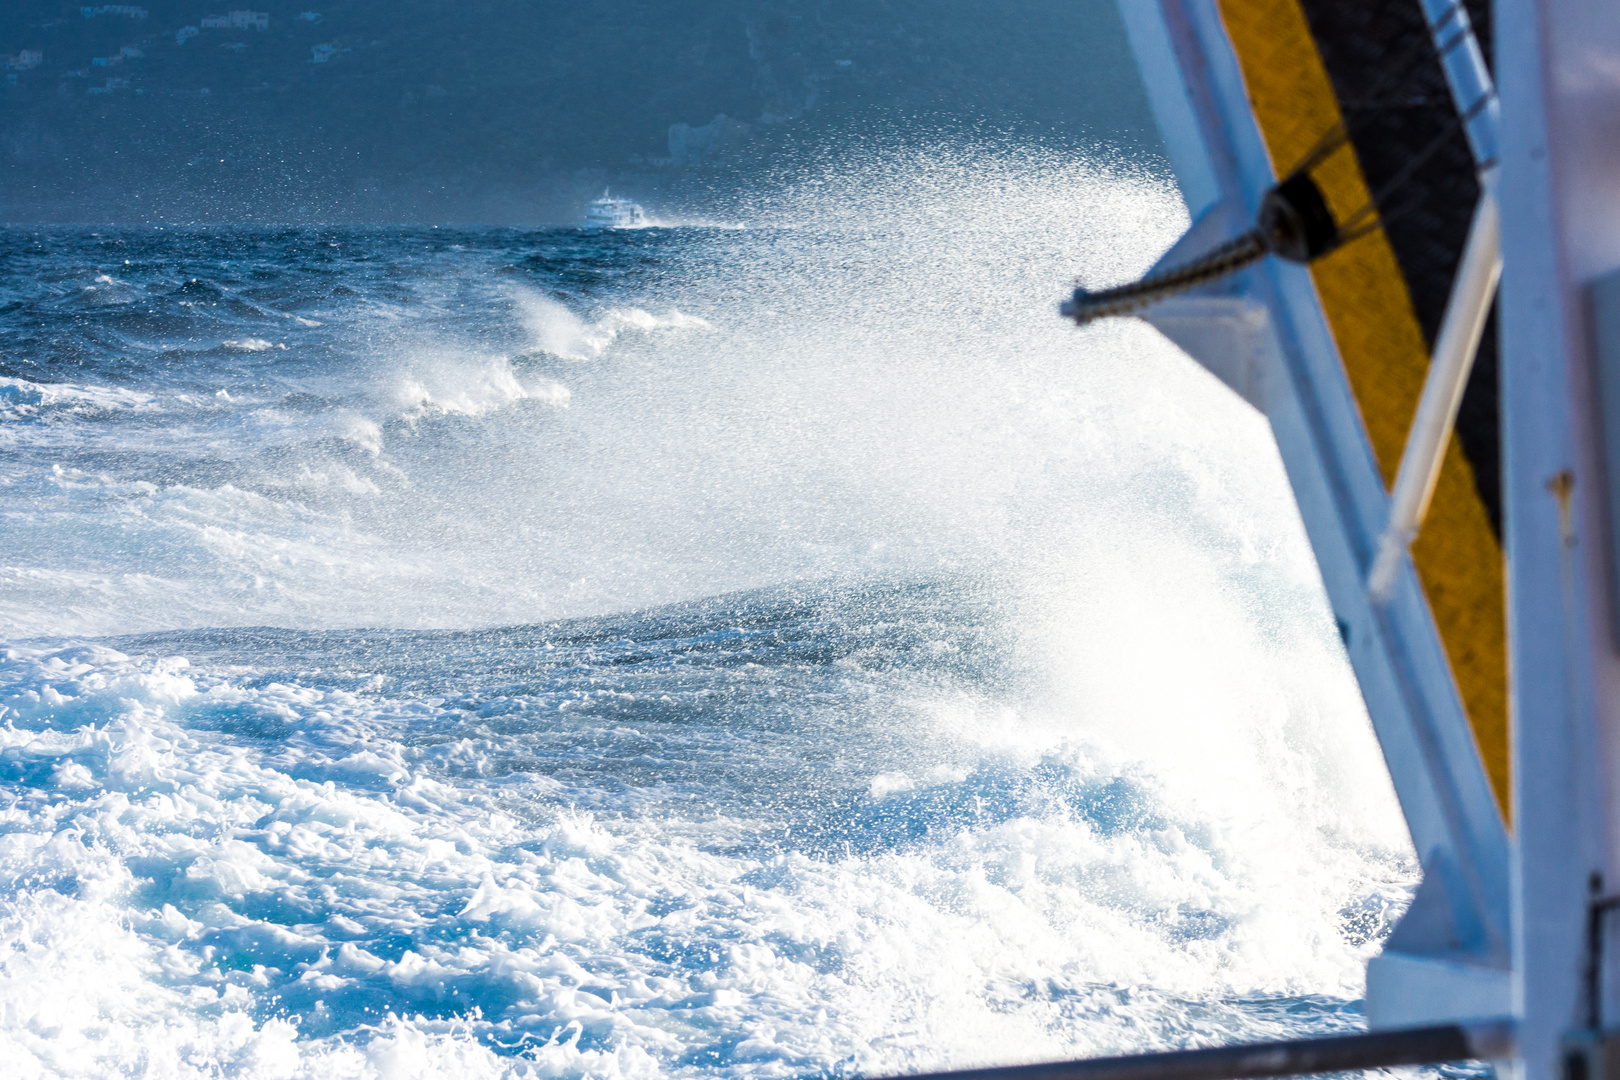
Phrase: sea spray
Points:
(765, 651)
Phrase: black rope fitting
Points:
(1296, 221)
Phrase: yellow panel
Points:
(1364, 297)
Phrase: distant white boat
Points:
(610, 213)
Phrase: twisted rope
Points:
(1084, 306)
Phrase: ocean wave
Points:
(290, 872)
(471, 386)
(864, 673)
(24, 399)
(556, 329)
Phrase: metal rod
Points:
(1466, 75)
(1436, 414)
(1484, 1040)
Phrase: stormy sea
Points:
(767, 643)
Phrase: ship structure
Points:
(1405, 252)
(610, 213)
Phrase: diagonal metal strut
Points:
(1483, 1040)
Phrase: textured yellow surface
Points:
(1364, 297)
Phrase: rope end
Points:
(1077, 307)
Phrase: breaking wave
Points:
(760, 652)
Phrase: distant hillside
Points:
(508, 110)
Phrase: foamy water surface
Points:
(774, 651)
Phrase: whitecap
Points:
(471, 386)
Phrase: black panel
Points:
(1479, 427)
(1397, 107)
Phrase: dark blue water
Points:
(770, 647)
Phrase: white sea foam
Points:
(22, 398)
(1124, 795)
(554, 328)
(637, 319)
(863, 392)
(557, 330)
(471, 386)
(1017, 938)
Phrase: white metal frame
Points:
(1265, 335)
(1558, 71)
